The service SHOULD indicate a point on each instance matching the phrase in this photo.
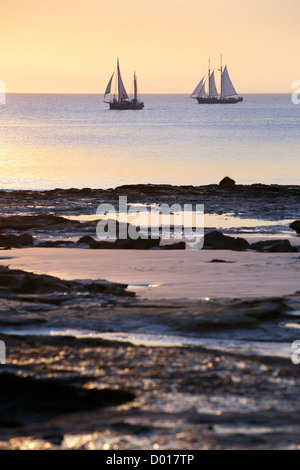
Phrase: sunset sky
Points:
(71, 46)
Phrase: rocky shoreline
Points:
(91, 365)
(257, 200)
(213, 240)
(46, 218)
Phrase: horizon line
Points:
(101, 94)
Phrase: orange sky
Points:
(69, 46)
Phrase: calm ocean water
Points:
(49, 141)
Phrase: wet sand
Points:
(169, 275)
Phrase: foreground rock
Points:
(14, 281)
(28, 222)
(216, 240)
(16, 241)
(274, 246)
(139, 244)
(220, 261)
(96, 245)
(41, 400)
(174, 246)
(296, 226)
(55, 243)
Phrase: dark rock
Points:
(86, 240)
(220, 261)
(96, 245)
(21, 321)
(55, 243)
(227, 183)
(27, 222)
(139, 244)
(26, 400)
(174, 246)
(274, 246)
(239, 314)
(14, 281)
(216, 240)
(16, 241)
(296, 226)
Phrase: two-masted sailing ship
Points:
(121, 99)
(206, 91)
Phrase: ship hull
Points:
(120, 105)
(231, 100)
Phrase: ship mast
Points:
(135, 87)
(119, 94)
(209, 77)
(221, 70)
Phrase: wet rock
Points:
(22, 282)
(238, 314)
(257, 201)
(174, 246)
(87, 240)
(27, 222)
(22, 320)
(219, 261)
(41, 400)
(216, 240)
(16, 241)
(227, 183)
(274, 246)
(296, 226)
(139, 244)
(14, 281)
(55, 243)
(96, 245)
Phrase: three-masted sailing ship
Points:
(121, 100)
(206, 91)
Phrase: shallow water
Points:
(255, 348)
(50, 141)
(226, 222)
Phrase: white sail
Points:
(200, 89)
(122, 92)
(108, 88)
(212, 85)
(227, 87)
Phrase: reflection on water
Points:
(211, 220)
(230, 222)
(50, 141)
(258, 348)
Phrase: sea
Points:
(62, 141)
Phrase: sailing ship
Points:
(228, 94)
(121, 100)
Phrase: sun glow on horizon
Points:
(72, 46)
